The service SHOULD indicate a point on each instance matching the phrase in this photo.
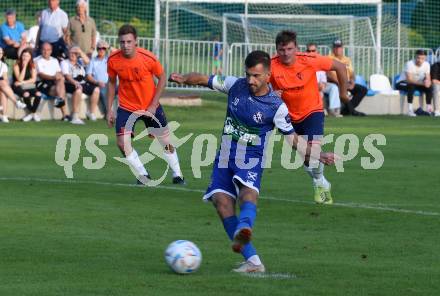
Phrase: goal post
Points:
(204, 19)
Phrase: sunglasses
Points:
(102, 48)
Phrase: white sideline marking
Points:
(175, 188)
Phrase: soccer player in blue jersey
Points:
(252, 113)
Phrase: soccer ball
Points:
(183, 257)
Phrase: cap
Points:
(338, 43)
(9, 11)
(102, 43)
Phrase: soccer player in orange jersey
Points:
(294, 75)
(138, 94)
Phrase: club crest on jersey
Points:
(236, 100)
(258, 117)
(251, 177)
(299, 75)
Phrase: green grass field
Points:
(97, 235)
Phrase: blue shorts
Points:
(158, 124)
(312, 126)
(226, 179)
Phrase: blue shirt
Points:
(250, 119)
(98, 69)
(11, 33)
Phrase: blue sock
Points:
(248, 212)
(230, 225)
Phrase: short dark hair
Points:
(420, 52)
(285, 37)
(311, 44)
(127, 29)
(257, 57)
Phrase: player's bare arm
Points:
(308, 151)
(161, 83)
(342, 79)
(189, 79)
(110, 97)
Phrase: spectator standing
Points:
(357, 91)
(97, 73)
(25, 76)
(416, 76)
(13, 35)
(53, 28)
(82, 29)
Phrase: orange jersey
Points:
(298, 83)
(136, 84)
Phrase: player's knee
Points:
(224, 205)
(248, 195)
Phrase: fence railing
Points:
(185, 56)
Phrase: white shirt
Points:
(3, 68)
(48, 67)
(31, 36)
(73, 70)
(52, 24)
(321, 77)
(418, 72)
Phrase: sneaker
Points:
(357, 113)
(421, 112)
(249, 267)
(323, 195)
(77, 121)
(411, 113)
(91, 116)
(37, 117)
(241, 237)
(66, 118)
(20, 104)
(5, 119)
(179, 180)
(27, 117)
(436, 113)
(143, 180)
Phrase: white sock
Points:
(75, 115)
(410, 107)
(173, 162)
(255, 260)
(317, 175)
(136, 163)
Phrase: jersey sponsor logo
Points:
(239, 131)
(258, 117)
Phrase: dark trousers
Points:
(358, 93)
(27, 95)
(59, 49)
(11, 52)
(410, 88)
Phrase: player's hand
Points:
(110, 118)
(177, 78)
(328, 158)
(151, 111)
(427, 83)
